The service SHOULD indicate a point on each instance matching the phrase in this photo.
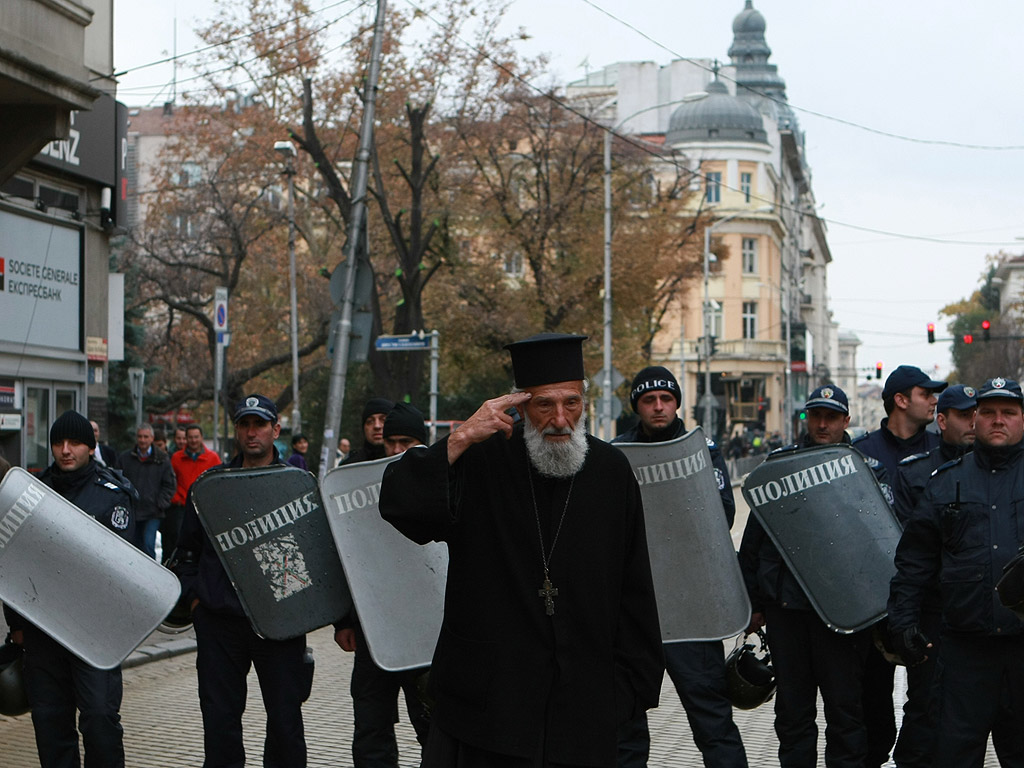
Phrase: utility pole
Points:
(339, 365)
(287, 149)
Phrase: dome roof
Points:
(748, 21)
(717, 117)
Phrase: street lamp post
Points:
(606, 381)
(287, 149)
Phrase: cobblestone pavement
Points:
(163, 727)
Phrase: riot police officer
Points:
(696, 668)
(966, 527)
(57, 681)
(808, 656)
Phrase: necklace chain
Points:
(545, 557)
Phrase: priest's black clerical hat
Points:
(547, 358)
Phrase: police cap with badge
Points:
(1000, 387)
(828, 396)
(959, 397)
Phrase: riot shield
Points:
(269, 528)
(697, 578)
(75, 579)
(827, 516)
(397, 585)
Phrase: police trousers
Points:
(58, 683)
(226, 648)
(980, 687)
(697, 670)
(809, 657)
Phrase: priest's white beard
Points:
(557, 459)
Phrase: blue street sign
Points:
(402, 343)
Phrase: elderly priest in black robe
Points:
(550, 637)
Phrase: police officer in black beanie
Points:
(697, 669)
(374, 690)
(57, 681)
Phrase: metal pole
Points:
(296, 409)
(707, 332)
(435, 357)
(218, 364)
(339, 365)
(682, 366)
(606, 384)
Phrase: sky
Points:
(911, 216)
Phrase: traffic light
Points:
(968, 338)
(713, 345)
(986, 327)
(878, 369)
(931, 333)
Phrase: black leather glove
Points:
(910, 645)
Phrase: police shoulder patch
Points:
(947, 465)
(871, 461)
(912, 458)
(711, 443)
(119, 517)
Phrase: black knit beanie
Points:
(71, 425)
(407, 420)
(377, 405)
(653, 378)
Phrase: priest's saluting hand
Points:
(550, 637)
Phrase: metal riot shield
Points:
(75, 579)
(697, 578)
(269, 528)
(828, 517)
(397, 585)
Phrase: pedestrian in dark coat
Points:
(149, 470)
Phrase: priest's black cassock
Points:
(507, 677)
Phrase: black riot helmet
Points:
(13, 699)
(749, 677)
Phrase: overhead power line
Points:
(822, 115)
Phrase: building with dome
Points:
(765, 302)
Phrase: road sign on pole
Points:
(410, 342)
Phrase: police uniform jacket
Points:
(966, 527)
(766, 575)
(913, 474)
(104, 493)
(889, 449)
(210, 583)
(676, 429)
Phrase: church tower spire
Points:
(757, 81)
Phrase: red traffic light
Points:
(985, 328)
(878, 370)
(968, 338)
(931, 333)
(986, 324)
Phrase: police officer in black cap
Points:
(227, 646)
(967, 526)
(909, 397)
(957, 406)
(57, 681)
(808, 656)
(697, 669)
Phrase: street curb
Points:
(165, 650)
